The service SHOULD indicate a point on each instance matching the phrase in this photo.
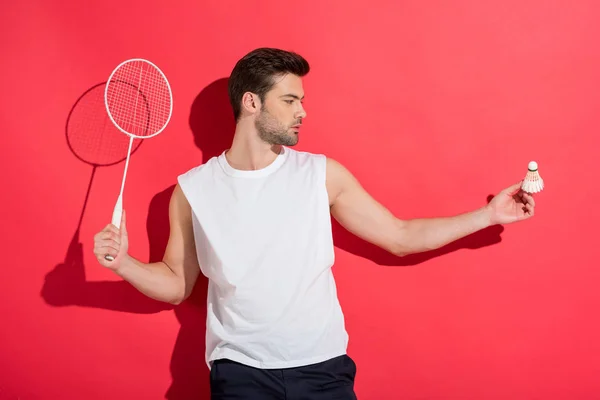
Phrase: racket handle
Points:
(116, 219)
(117, 212)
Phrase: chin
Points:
(292, 142)
(288, 140)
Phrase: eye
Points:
(289, 101)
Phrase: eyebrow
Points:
(293, 96)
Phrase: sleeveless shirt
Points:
(263, 239)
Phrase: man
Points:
(256, 221)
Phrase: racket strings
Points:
(139, 99)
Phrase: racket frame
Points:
(118, 208)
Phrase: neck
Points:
(248, 151)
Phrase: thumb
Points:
(513, 189)
(123, 227)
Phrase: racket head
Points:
(138, 98)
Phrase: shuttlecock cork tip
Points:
(532, 166)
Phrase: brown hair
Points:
(255, 72)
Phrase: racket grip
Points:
(117, 212)
(116, 220)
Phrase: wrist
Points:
(485, 216)
(124, 265)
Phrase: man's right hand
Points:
(112, 241)
(170, 280)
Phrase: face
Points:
(281, 114)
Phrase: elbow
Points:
(399, 251)
(408, 240)
(184, 291)
(178, 296)
(176, 300)
(404, 249)
(400, 245)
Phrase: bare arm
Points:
(353, 207)
(170, 280)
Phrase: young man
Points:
(256, 221)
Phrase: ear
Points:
(251, 102)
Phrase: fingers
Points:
(108, 228)
(107, 241)
(513, 189)
(108, 236)
(528, 204)
(528, 198)
(102, 252)
(529, 209)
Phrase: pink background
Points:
(432, 105)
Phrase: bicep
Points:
(358, 212)
(180, 254)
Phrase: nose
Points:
(301, 113)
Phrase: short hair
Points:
(255, 72)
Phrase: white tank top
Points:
(263, 240)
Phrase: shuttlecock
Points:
(533, 182)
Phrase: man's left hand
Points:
(511, 205)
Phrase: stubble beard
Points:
(273, 132)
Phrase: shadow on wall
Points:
(95, 141)
(212, 125)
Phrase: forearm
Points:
(155, 280)
(424, 234)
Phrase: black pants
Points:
(332, 380)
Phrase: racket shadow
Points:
(94, 141)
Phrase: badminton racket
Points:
(139, 102)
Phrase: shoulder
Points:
(337, 173)
(190, 181)
(198, 171)
(339, 179)
(334, 167)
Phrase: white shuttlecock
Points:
(533, 182)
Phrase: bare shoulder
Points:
(179, 207)
(180, 216)
(338, 178)
(180, 253)
(357, 211)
